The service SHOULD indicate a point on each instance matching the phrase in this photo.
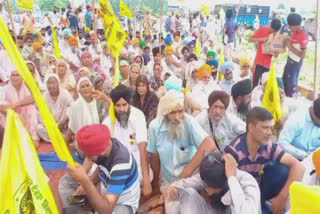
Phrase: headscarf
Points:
(205, 68)
(37, 75)
(85, 53)
(93, 139)
(169, 102)
(173, 83)
(219, 95)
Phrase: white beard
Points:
(175, 131)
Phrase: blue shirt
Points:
(300, 135)
(230, 26)
(88, 19)
(174, 154)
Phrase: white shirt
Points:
(106, 64)
(201, 92)
(134, 134)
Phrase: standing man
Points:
(297, 51)
(262, 61)
(229, 30)
(148, 23)
(88, 18)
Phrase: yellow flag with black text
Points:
(271, 96)
(125, 10)
(47, 117)
(25, 4)
(24, 186)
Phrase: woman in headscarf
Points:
(84, 111)
(19, 98)
(205, 86)
(52, 60)
(134, 72)
(139, 60)
(58, 100)
(36, 75)
(144, 99)
(66, 78)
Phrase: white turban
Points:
(169, 102)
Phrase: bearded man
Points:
(241, 99)
(177, 143)
(130, 128)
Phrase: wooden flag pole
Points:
(134, 18)
(160, 30)
(94, 16)
(11, 21)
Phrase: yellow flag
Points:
(24, 186)
(49, 122)
(55, 44)
(125, 10)
(271, 97)
(205, 9)
(25, 4)
(304, 198)
(197, 48)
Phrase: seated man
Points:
(301, 132)
(177, 143)
(221, 125)
(117, 171)
(241, 101)
(273, 168)
(224, 189)
(130, 128)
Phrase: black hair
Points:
(258, 114)
(276, 24)
(316, 107)
(229, 13)
(185, 48)
(294, 19)
(155, 51)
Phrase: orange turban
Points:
(134, 41)
(36, 46)
(73, 40)
(202, 70)
(168, 49)
(316, 161)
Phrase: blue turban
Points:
(168, 39)
(213, 62)
(66, 32)
(227, 66)
(173, 83)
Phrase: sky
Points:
(301, 4)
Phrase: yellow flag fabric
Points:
(24, 186)
(125, 10)
(271, 97)
(221, 60)
(49, 122)
(197, 48)
(205, 9)
(55, 44)
(25, 4)
(304, 199)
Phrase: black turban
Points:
(241, 88)
(316, 107)
(121, 91)
(219, 95)
(294, 19)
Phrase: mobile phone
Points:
(77, 199)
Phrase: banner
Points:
(47, 117)
(271, 96)
(205, 9)
(25, 4)
(24, 186)
(125, 10)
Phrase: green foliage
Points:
(48, 5)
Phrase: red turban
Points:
(93, 139)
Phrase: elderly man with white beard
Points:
(177, 142)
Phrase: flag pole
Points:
(316, 63)
(94, 16)
(161, 12)
(134, 18)
(11, 21)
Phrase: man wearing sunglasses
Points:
(223, 189)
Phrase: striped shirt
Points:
(239, 150)
(119, 174)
